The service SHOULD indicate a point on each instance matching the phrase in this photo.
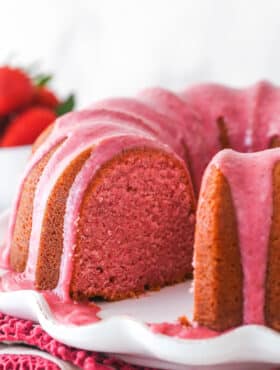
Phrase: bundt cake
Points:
(106, 207)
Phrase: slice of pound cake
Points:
(105, 209)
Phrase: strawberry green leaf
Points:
(66, 106)
(42, 80)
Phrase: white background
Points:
(101, 48)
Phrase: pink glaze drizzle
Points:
(187, 121)
(166, 130)
(75, 144)
(12, 281)
(266, 113)
(183, 332)
(214, 101)
(69, 312)
(58, 134)
(32, 163)
(251, 115)
(250, 180)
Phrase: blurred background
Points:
(101, 48)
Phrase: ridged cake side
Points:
(272, 299)
(51, 240)
(218, 293)
(23, 224)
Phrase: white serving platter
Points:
(123, 331)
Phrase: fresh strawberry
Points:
(4, 121)
(27, 126)
(44, 97)
(16, 90)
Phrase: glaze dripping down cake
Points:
(105, 209)
(107, 204)
(236, 241)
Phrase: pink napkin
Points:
(14, 362)
(14, 330)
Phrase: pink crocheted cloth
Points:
(18, 330)
(26, 362)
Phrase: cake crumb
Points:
(184, 321)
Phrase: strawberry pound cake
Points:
(107, 204)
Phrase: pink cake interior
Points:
(143, 194)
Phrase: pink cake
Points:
(107, 204)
